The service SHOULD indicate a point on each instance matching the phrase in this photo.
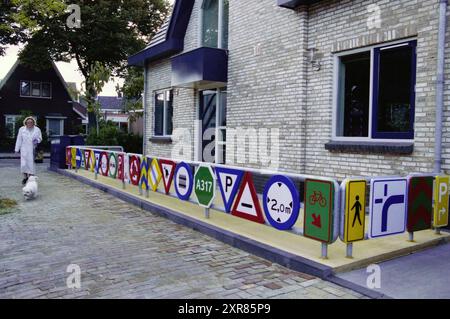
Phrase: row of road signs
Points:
(396, 204)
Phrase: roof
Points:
(80, 109)
(110, 102)
(169, 40)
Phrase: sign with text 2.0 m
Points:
(319, 202)
(205, 185)
(355, 211)
(388, 207)
(441, 193)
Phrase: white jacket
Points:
(27, 140)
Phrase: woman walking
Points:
(28, 138)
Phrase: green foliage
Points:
(111, 135)
(132, 91)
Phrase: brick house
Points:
(348, 88)
(45, 94)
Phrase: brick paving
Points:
(125, 252)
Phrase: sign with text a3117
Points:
(319, 204)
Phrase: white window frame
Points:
(336, 74)
(165, 107)
(219, 25)
(31, 90)
(14, 118)
(61, 124)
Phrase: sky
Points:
(69, 71)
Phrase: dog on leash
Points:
(30, 191)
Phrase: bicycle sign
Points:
(319, 197)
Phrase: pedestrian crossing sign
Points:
(355, 211)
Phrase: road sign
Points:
(247, 204)
(82, 161)
(154, 175)
(92, 161)
(441, 194)
(420, 203)
(112, 165)
(281, 202)
(104, 163)
(355, 211)
(388, 207)
(87, 159)
(73, 157)
(204, 185)
(121, 166)
(183, 181)
(68, 156)
(319, 203)
(135, 169)
(78, 158)
(97, 161)
(143, 178)
(167, 169)
(229, 181)
(126, 168)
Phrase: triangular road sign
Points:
(167, 169)
(247, 204)
(229, 181)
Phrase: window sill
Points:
(161, 139)
(400, 148)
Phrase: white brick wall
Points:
(277, 88)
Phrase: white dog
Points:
(30, 190)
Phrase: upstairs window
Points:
(35, 89)
(376, 93)
(215, 23)
(163, 113)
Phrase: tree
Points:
(110, 32)
(132, 91)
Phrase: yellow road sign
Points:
(355, 211)
(74, 157)
(441, 193)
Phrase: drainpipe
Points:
(440, 85)
(144, 105)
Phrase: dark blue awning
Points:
(202, 68)
(292, 4)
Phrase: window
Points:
(376, 93)
(25, 89)
(10, 125)
(163, 113)
(46, 90)
(55, 126)
(215, 23)
(35, 89)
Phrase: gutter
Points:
(440, 85)
(144, 104)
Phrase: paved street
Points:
(124, 252)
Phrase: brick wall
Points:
(272, 85)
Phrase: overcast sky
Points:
(69, 71)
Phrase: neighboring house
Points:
(112, 109)
(350, 85)
(45, 94)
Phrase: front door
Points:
(213, 124)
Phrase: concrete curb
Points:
(267, 252)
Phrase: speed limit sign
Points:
(281, 202)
